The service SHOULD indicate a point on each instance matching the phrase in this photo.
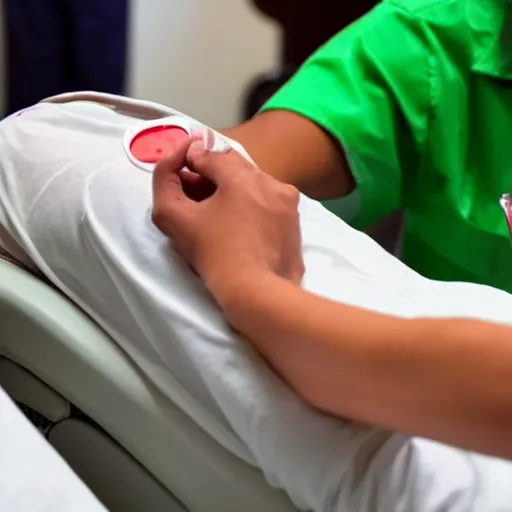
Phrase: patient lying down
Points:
(76, 208)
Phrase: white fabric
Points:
(81, 211)
(33, 478)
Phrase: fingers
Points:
(206, 135)
(171, 205)
(177, 192)
(195, 186)
(215, 166)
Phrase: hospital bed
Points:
(130, 444)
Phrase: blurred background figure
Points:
(56, 46)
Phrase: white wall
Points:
(199, 55)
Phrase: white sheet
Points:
(81, 211)
(33, 478)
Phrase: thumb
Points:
(171, 206)
(216, 166)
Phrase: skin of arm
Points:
(295, 150)
(444, 379)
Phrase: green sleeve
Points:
(369, 88)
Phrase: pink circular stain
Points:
(153, 144)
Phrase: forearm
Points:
(444, 379)
(294, 150)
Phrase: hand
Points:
(227, 218)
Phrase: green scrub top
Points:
(419, 95)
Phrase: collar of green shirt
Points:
(491, 25)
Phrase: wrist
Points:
(243, 293)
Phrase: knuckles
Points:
(291, 193)
(159, 217)
(288, 194)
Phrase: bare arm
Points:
(295, 150)
(448, 379)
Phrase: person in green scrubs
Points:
(412, 107)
